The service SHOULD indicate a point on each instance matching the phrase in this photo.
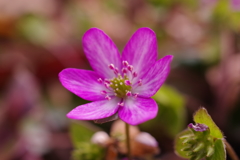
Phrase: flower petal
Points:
(138, 110)
(95, 110)
(82, 83)
(101, 52)
(141, 50)
(154, 78)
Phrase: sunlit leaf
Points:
(202, 116)
(171, 110)
(81, 132)
(179, 144)
(219, 151)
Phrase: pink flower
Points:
(120, 85)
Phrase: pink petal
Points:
(235, 5)
(95, 110)
(82, 83)
(138, 110)
(141, 50)
(101, 52)
(154, 78)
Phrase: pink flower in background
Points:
(235, 4)
(120, 85)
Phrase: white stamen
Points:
(121, 83)
(124, 70)
(135, 95)
(139, 82)
(127, 82)
(106, 85)
(107, 81)
(104, 92)
(134, 74)
(130, 68)
(116, 85)
(100, 80)
(128, 93)
(111, 66)
(121, 104)
(108, 98)
(125, 63)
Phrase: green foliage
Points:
(219, 151)
(81, 132)
(35, 29)
(207, 143)
(171, 110)
(179, 142)
(225, 16)
(202, 117)
(88, 151)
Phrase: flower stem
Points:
(128, 142)
(230, 151)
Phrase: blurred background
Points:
(39, 38)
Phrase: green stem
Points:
(230, 151)
(128, 142)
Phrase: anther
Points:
(127, 82)
(115, 70)
(135, 95)
(125, 63)
(111, 66)
(128, 93)
(130, 68)
(104, 92)
(135, 74)
(139, 82)
(106, 85)
(108, 98)
(107, 81)
(121, 104)
(124, 70)
(100, 80)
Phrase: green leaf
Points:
(82, 132)
(178, 145)
(171, 116)
(219, 151)
(202, 116)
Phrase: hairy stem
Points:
(128, 142)
(230, 151)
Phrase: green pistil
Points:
(119, 86)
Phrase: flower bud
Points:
(100, 138)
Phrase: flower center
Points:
(120, 86)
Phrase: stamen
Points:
(127, 82)
(125, 63)
(121, 83)
(124, 70)
(107, 81)
(135, 74)
(121, 104)
(139, 82)
(108, 98)
(128, 93)
(111, 66)
(130, 68)
(104, 92)
(116, 71)
(100, 80)
(106, 85)
(135, 95)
